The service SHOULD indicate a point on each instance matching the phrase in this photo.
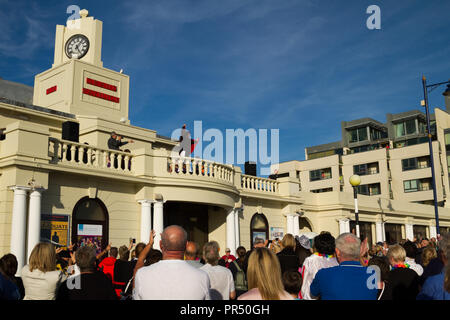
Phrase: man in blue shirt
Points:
(348, 281)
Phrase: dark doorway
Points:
(259, 228)
(365, 231)
(393, 233)
(90, 224)
(192, 217)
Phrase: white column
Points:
(158, 223)
(231, 231)
(146, 220)
(384, 231)
(409, 231)
(236, 228)
(19, 226)
(344, 226)
(296, 225)
(379, 231)
(290, 224)
(433, 232)
(34, 221)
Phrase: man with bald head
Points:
(190, 254)
(349, 280)
(172, 278)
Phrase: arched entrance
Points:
(90, 223)
(259, 228)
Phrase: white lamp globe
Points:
(355, 180)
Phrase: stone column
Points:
(433, 232)
(344, 226)
(158, 223)
(409, 231)
(236, 228)
(34, 220)
(231, 231)
(379, 231)
(146, 220)
(19, 226)
(296, 226)
(290, 224)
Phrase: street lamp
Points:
(355, 181)
(426, 89)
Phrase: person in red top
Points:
(107, 264)
(228, 257)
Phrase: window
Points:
(321, 154)
(411, 142)
(369, 189)
(377, 134)
(406, 127)
(322, 190)
(365, 169)
(417, 185)
(359, 134)
(320, 174)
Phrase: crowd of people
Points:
(293, 268)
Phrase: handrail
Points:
(74, 153)
(253, 183)
(187, 166)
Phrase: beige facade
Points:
(43, 174)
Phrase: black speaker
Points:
(71, 131)
(250, 168)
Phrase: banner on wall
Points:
(90, 235)
(55, 229)
(276, 233)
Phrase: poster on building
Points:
(276, 233)
(260, 235)
(55, 229)
(90, 235)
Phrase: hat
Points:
(113, 133)
(304, 242)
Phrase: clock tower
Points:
(77, 82)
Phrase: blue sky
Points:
(300, 66)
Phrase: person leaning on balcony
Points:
(115, 141)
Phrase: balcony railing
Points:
(185, 166)
(252, 183)
(83, 155)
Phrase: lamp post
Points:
(355, 181)
(426, 89)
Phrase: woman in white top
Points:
(323, 257)
(40, 277)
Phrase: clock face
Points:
(77, 46)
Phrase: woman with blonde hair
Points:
(428, 254)
(40, 277)
(264, 277)
(287, 257)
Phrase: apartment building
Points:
(393, 161)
